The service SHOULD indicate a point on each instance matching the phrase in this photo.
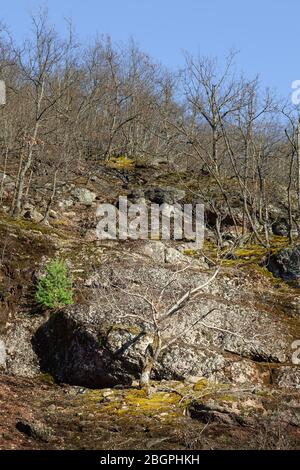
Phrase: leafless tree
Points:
(159, 314)
(38, 61)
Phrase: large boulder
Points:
(286, 264)
(286, 376)
(84, 196)
(80, 346)
(65, 204)
(155, 249)
(162, 253)
(31, 213)
(104, 344)
(164, 195)
(281, 228)
(21, 359)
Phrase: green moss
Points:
(263, 270)
(251, 251)
(229, 398)
(61, 223)
(265, 393)
(167, 406)
(249, 254)
(201, 385)
(47, 378)
(132, 402)
(159, 401)
(121, 163)
(22, 225)
(191, 253)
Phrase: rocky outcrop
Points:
(34, 430)
(162, 253)
(80, 346)
(286, 264)
(21, 359)
(104, 344)
(84, 196)
(281, 228)
(31, 213)
(212, 412)
(164, 195)
(158, 195)
(287, 377)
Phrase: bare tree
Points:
(38, 61)
(159, 314)
(213, 96)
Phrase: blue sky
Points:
(266, 32)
